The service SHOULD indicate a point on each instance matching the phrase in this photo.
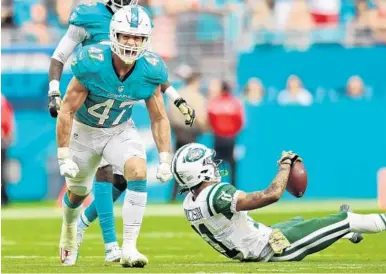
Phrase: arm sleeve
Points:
(223, 200)
(73, 37)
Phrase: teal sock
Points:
(104, 208)
(117, 193)
(137, 186)
(91, 213)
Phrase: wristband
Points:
(63, 152)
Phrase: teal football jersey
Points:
(95, 19)
(110, 100)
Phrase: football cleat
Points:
(68, 257)
(113, 254)
(355, 238)
(133, 258)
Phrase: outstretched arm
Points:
(179, 102)
(258, 199)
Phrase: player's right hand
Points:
(288, 157)
(68, 168)
(54, 102)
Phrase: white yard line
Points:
(176, 210)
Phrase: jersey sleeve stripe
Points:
(209, 198)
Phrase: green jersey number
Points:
(107, 105)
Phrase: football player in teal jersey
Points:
(218, 212)
(89, 24)
(94, 121)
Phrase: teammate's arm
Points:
(179, 102)
(73, 37)
(160, 127)
(258, 199)
(75, 96)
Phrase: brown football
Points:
(297, 181)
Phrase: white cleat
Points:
(67, 247)
(113, 254)
(81, 228)
(68, 257)
(133, 258)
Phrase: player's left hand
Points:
(186, 110)
(164, 172)
(289, 157)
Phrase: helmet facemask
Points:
(121, 3)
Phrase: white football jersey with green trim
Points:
(214, 217)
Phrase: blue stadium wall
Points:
(343, 142)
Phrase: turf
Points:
(31, 245)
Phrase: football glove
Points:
(289, 157)
(186, 110)
(68, 168)
(54, 102)
(164, 172)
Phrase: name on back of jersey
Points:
(194, 214)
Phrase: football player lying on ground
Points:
(218, 213)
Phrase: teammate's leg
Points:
(133, 211)
(317, 234)
(105, 194)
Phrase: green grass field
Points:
(30, 238)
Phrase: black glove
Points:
(186, 110)
(289, 157)
(54, 103)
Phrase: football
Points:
(297, 181)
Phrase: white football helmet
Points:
(130, 20)
(193, 164)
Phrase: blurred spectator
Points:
(299, 25)
(164, 33)
(295, 94)
(261, 15)
(254, 92)
(63, 9)
(214, 88)
(6, 14)
(226, 118)
(356, 88)
(359, 29)
(184, 134)
(379, 21)
(37, 29)
(7, 129)
(325, 13)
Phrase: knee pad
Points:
(104, 174)
(79, 190)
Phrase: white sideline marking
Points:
(176, 210)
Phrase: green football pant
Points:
(311, 236)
